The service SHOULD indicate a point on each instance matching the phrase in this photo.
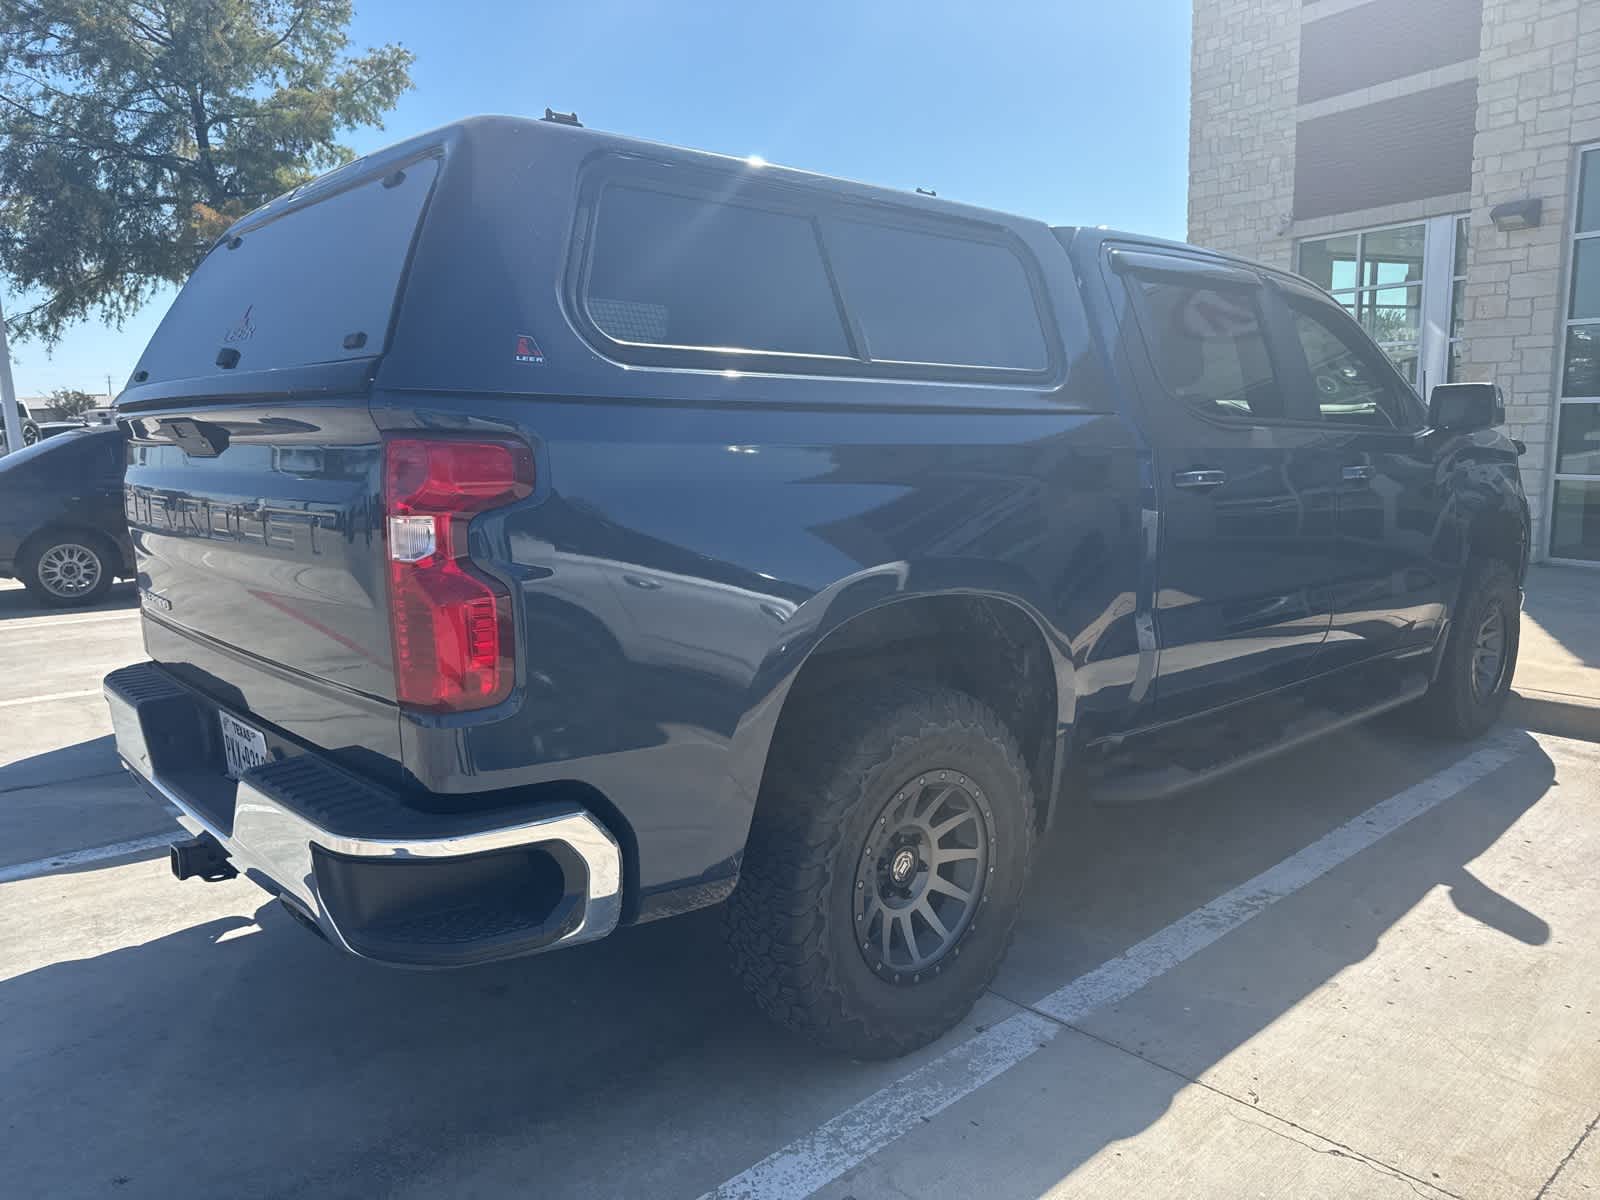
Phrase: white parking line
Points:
(77, 858)
(49, 696)
(821, 1156)
(827, 1152)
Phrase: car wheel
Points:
(69, 568)
(30, 434)
(1480, 656)
(884, 869)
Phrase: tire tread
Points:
(777, 919)
(1448, 709)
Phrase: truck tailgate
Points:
(261, 562)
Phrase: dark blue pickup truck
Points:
(540, 530)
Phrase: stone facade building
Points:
(1436, 165)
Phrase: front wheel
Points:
(1480, 656)
(884, 869)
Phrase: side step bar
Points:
(1150, 772)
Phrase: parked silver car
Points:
(30, 427)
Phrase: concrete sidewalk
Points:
(1557, 685)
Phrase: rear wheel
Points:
(68, 568)
(884, 869)
(1480, 656)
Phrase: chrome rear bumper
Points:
(378, 879)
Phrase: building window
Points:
(1402, 285)
(1575, 506)
(1458, 300)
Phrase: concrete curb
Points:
(1555, 712)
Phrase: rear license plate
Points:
(242, 745)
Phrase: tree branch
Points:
(17, 321)
(202, 141)
(75, 97)
(294, 25)
(76, 138)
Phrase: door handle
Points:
(1353, 474)
(640, 582)
(1201, 480)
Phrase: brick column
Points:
(1245, 73)
(1538, 95)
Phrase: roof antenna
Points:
(922, 191)
(561, 118)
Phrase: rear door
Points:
(1389, 581)
(1243, 482)
(253, 488)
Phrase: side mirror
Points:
(1466, 407)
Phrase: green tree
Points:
(133, 133)
(72, 403)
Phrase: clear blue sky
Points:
(1073, 111)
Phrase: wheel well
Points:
(46, 532)
(988, 648)
(1499, 535)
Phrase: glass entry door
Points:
(1575, 506)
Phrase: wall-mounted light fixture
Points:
(1517, 214)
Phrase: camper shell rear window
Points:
(316, 283)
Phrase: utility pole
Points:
(8, 393)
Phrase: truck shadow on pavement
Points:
(241, 1056)
(63, 765)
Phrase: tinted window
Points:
(925, 298)
(110, 454)
(1354, 383)
(89, 455)
(675, 271)
(293, 291)
(1208, 347)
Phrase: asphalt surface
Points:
(1365, 969)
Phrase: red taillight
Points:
(453, 629)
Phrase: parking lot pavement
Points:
(1364, 969)
(61, 787)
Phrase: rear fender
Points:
(888, 592)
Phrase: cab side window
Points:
(1208, 346)
(1352, 381)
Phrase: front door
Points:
(1244, 484)
(1392, 554)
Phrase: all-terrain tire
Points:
(1463, 701)
(835, 772)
